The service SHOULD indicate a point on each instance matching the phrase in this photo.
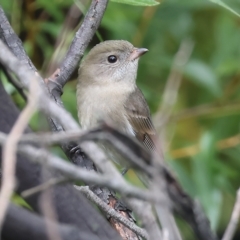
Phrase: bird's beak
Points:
(137, 52)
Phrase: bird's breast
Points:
(97, 103)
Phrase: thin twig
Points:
(51, 138)
(80, 42)
(170, 93)
(144, 211)
(10, 149)
(111, 212)
(63, 38)
(76, 173)
(42, 187)
(173, 83)
(232, 226)
(45, 104)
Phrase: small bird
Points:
(107, 91)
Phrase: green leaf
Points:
(18, 200)
(145, 3)
(221, 3)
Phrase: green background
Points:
(201, 137)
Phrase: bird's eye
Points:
(112, 59)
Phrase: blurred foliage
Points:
(202, 134)
(138, 2)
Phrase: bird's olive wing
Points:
(138, 114)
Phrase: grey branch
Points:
(111, 212)
(76, 173)
(25, 76)
(82, 38)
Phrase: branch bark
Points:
(80, 42)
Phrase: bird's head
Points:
(111, 61)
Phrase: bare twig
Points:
(42, 187)
(75, 173)
(51, 138)
(10, 149)
(94, 198)
(64, 37)
(173, 83)
(168, 223)
(170, 92)
(232, 226)
(48, 211)
(145, 214)
(111, 212)
(80, 42)
(25, 76)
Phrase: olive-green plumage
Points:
(107, 90)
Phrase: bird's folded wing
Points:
(138, 115)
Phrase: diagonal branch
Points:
(111, 212)
(80, 42)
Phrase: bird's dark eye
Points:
(112, 59)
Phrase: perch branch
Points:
(111, 212)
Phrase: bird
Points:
(107, 91)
